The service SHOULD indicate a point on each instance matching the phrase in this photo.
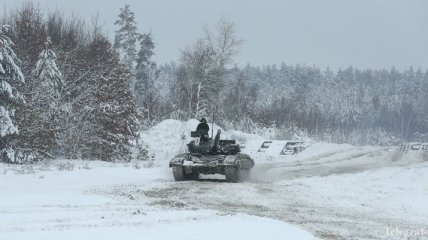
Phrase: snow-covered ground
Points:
(328, 191)
(88, 201)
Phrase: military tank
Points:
(208, 156)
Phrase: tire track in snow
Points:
(278, 202)
(290, 202)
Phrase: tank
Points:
(208, 156)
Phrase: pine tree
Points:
(112, 113)
(101, 121)
(146, 74)
(116, 117)
(10, 77)
(127, 36)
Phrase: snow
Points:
(332, 191)
(6, 125)
(182, 227)
(5, 87)
(49, 204)
(389, 192)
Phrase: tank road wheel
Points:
(233, 174)
(178, 173)
(192, 176)
(244, 174)
(181, 175)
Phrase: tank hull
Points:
(236, 167)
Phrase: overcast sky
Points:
(327, 33)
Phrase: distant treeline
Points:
(325, 104)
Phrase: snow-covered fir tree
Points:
(10, 77)
(44, 103)
(29, 36)
(48, 74)
(127, 36)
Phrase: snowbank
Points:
(169, 138)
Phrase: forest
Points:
(68, 90)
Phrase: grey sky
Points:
(327, 33)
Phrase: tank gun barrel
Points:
(214, 147)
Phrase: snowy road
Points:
(352, 193)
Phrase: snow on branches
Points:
(47, 71)
(10, 77)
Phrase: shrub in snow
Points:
(67, 166)
(142, 153)
(11, 154)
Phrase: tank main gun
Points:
(216, 142)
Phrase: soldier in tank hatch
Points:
(203, 129)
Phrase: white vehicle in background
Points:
(282, 147)
(414, 146)
(293, 147)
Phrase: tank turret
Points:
(212, 147)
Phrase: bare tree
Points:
(206, 63)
